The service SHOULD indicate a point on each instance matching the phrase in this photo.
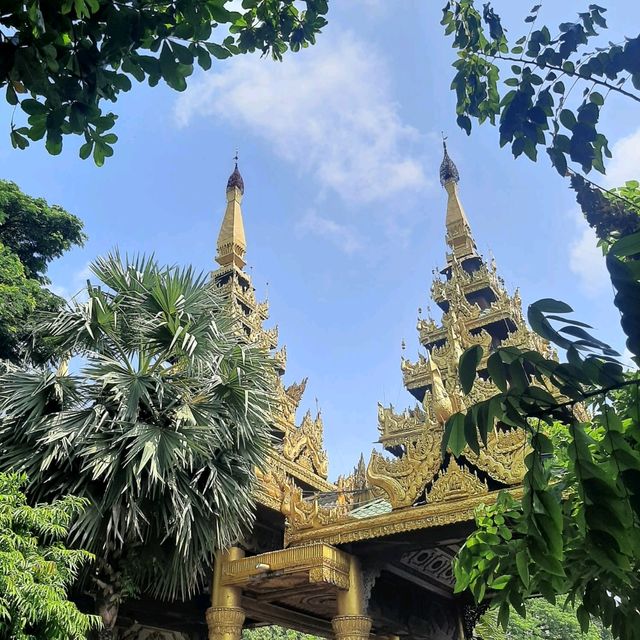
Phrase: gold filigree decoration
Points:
(456, 483)
(351, 627)
(308, 514)
(503, 457)
(224, 622)
(403, 480)
(397, 427)
(303, 445)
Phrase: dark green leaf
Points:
(468, 365)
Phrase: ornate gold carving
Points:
(395, 427)
(351, 627)
(404, 478)
(280, 358)
(270, 486)
(308, 514)
(456, 483)
(225, 623)
(503, 457)
(304, 445)
(294, 393)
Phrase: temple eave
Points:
(398, 521)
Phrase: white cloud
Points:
(586, 260)
(343, 236)
(625, 164)
(328, 110)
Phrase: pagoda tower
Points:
(476, 309)
(299, 461)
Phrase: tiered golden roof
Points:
(476, 310)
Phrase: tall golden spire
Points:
(459, 236)
(232, 244)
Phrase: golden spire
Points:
(459, 236)
(231, 240)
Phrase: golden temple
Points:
(371, 554)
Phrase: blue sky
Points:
(344, 215)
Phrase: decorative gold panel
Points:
(456, 483)
(318, 563)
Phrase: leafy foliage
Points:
(36, 569)
(160, 429)
(60, 60)
(544, 621)
(275, 633)
(575, 530)
(32, 233)
(545, 89)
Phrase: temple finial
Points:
(231, 239)
(448, 170)
(235, 179)
(459, 236)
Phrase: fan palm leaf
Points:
(160, 426)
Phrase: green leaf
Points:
(503, 615)
(471, 430)
(568, 119)
(549, 305)
(464, 122)
(500, 583)
(627, 246)
(86, 149)
(218, 51)
(468, 365)
(454, 437)
(522, 564)
(497, 373)
(12, 97)
(558, 87)
(583, 618)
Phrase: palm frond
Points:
(161, 428)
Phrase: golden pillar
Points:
(225, 616)
(351, 623)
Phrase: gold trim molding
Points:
(436, 514)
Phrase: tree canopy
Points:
(574, 532)
(59, 61)
(32, 233)
(160, 428)
(36, 570)
(546, 88)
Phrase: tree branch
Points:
(570, 74)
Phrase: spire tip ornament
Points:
(448, 170)
(235, 179)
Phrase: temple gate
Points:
(371, 554)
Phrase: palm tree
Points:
(157, 414)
